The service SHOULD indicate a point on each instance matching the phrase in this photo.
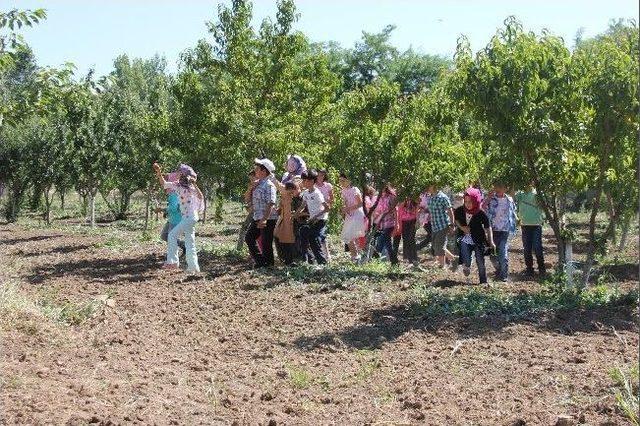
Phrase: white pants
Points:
(186, 227)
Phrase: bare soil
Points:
(236, 346)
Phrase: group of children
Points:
(295, 223)
(482, 224)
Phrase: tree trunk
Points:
(205, 194)
(48, 200)
(625, 232)
(61, 193)
(123, 207)
(83, 202)
(243, 230)
(146, 208)
(92, 208)
(594, 243)
(553, 210)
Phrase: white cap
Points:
(268, 164)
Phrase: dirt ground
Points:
(236, 346)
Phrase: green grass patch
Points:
(479, 302)
(627, 392)
(226, 251)
(299, 378)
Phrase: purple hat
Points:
(187, 171)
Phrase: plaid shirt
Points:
(439, 204)
(263, 195)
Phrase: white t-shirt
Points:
(315, 203)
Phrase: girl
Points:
(407, 213)
(384, 216)
(370, 197)
(326, 189)
(354, 220)
(295, 165)
(477, 236)
(172, 212)
(190, 205)
(425, 219)
(284, 232)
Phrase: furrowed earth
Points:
(94, 332)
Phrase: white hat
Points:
(268, 164)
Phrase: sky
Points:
(91, 33)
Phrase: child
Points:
(191, 203)
(531, 219)
(407, 213)
(502, 215)
(384, 216)
(442, 221)
(354, 220)
(284, 232)
(314, 230)
(425, 219)
(172, 213)
(327, 192)
(474, 225)
(263, 201)
(295, 165)
(458, 201)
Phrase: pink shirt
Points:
(389, 220)
(405, 215)
(327, 191)
(190, 204)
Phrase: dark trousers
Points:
(532, 243)
(385, 243)
(265, 257)
(465, 256)
(409, 250)
(286, 252)
(427, 239)
(311, 236)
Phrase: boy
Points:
(263, 202)
(502, 215)
(313, 232)
(531, 219)
(442, 223)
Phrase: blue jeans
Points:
(501, 239)
(465, 257)
(186, 227)
(532, 243)
(385, 243)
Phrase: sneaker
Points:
(529, 272)
(170, 266)
(466, 271)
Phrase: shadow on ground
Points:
(383, 326)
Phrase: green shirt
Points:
(529, 211)
(173, 209)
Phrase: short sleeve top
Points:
(190, 204)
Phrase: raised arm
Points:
(158, 171)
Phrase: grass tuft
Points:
(627, 392)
